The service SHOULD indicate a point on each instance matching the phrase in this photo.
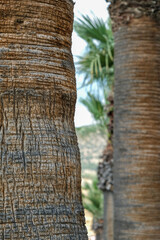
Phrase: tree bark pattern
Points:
(40, 182)
(123, 11)
(137, 130)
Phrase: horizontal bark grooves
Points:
(40, 182)
(137, 131)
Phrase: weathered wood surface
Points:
(137, 121)
(105, 172)
(40, 182)
(123, 11)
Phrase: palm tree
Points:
(97, 66)
(105, 177)
(40, 181)
(137, 117)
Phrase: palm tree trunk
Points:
(137, 120)
(99, 236)
(108, 215)
(40, 181)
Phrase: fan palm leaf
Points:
(98, 57)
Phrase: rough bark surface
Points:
(40, 182)
(104, 172)
(123, 11)
(137, 130)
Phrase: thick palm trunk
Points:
(137, 120)
(40, 182)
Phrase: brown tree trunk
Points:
(99, 236)
(40, 181)
(108, 232)
(105, 177)
(137, 119)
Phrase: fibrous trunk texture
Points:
(105, 173)
(40, 182)
(137, 124)
(123, 11)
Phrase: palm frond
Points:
(96, 64)
(94, 106)
(87, 28)
(99, 53)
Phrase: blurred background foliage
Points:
(93, 199)
(96, 64)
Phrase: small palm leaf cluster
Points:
(93, 199)
(95, 107)
(97, 62)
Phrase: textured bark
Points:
(105, 170)
(137, 126)
(123, 11)
(40, 182)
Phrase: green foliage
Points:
(86, 130)
(97, 62)
(95, 107)
(89, 29)
(93, 199)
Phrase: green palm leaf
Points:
(87, 28)
(94, 105)
(99, 53)
(96, 64)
